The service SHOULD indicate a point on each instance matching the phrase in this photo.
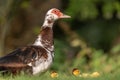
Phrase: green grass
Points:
(63, 76)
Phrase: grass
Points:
(63, 76)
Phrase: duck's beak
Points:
(65, 16)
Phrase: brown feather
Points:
(19, 59)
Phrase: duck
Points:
(37, 57)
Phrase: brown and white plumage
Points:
(35, 58)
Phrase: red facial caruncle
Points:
(57, 12)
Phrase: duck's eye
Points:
(55, 11)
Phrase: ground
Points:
(65, 76)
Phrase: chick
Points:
(76, 72)
(54, 74)
(95, 74)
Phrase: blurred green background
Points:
(90, 40)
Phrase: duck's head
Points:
(54, 14)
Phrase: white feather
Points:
(29, 64)
(42, 64)
(38, 42)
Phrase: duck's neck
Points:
(48, 23)
(45, 38)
